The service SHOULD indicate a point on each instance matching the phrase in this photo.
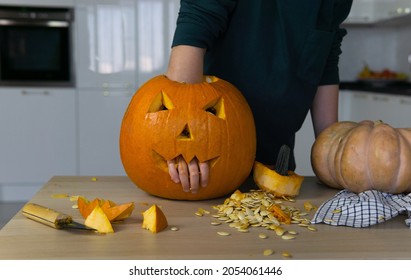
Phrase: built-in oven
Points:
(36, 46)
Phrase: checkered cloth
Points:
(364, 209)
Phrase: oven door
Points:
(35, 53)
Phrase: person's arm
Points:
(324, 110)
(186, 64)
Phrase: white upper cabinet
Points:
(105, 43)
(380, 12)
(156, 21)
(123, 43)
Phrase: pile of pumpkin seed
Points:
(252, 209)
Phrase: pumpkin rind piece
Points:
(270, 181)
(154, 219)
(99, 221)
(117, 212)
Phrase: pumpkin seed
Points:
(262, 236)
(268, 252)
(286, 254)
(312, 228)
(223, 233)
(198, 214)
(287, 236)
(174, 228)
(243, 230)
(215, 223)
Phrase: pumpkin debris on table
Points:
(209, 121)
(99, 221)
(366, 155)
(270, 181)
(113, 211)
(154, 219)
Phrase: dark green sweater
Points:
(277, 52)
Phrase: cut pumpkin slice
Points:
(99, 221)
(113, 211)
(270, 181)
(116, 212)
(154, 219)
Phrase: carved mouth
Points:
(161, 162)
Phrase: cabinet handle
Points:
(116, 94)
(381, 98)
(32, 92)
(405, 102)
(359, 95)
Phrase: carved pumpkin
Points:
(210, 121)
(364, 156)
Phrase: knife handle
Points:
(46, 216)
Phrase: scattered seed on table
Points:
(287, 236)
(174, 228)
(223, 233)
(262, 236)
(286, 254)
(268, 252)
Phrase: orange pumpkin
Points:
(210, 121)
(364, 156)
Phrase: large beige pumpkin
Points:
(364, 156)
(210, 121)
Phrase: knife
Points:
(51, 218)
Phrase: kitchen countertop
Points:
(22, 238)
(380, 86)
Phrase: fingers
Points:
(172, 170)
(204, 171)
(183, 173)
(191, 175)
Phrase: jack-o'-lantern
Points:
(210, 121)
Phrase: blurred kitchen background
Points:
(69, 125)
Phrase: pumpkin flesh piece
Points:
(99, 221)
(154, 219)
(270, 181)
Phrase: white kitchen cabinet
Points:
(38, 135)
(100, 116)
(404, 111)
(105, 43)
(379, 12)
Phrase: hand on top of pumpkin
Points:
(191, 175)
(100, 213)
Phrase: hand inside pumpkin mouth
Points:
(191, 174)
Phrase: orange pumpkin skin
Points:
(364, 156)
(210, 121)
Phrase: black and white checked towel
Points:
(363, 209)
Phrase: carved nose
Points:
(185, 133)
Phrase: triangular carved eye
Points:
(160, 102)
(216, 108)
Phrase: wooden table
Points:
(196, 239)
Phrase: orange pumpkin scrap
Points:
(210, 121)
(99, 221)
(113, 211)
(154, 219)
(270, 181)
(363, 156)
(280, 214)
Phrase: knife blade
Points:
(51, 218)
